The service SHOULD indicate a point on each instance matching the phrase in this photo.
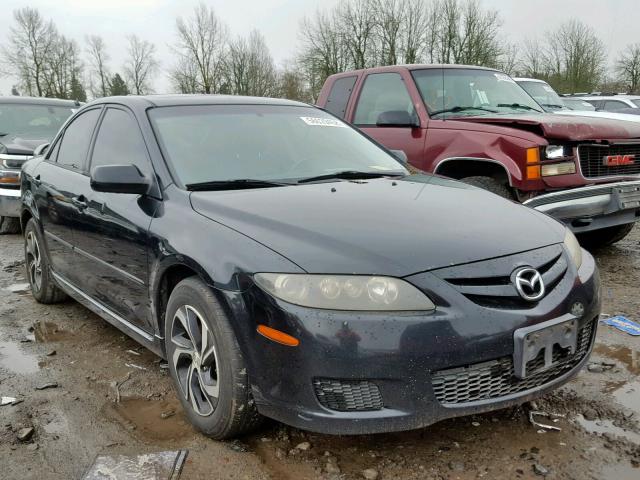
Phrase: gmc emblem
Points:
(617, 160)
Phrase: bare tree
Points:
(184, 76)
(357, 28)
(291, 85)
(628, 67)
(98, 59)
(533, 62)
(202, 41)
(140, 65)
(389, 17)
(250, 68)
(414, 28)
(30, 44)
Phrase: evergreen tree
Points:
(117, 86)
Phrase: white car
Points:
(611, 103)
(550, 101)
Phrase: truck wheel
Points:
(43, 287)
(490, 184)
(205, 363)
(9, 225)
(605, 236)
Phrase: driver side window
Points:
(382, 92)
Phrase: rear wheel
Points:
(206, 364)
(43, 287)
(9, 225)
(605, 236)
(490, 184)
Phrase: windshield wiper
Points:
(552, 105)
(518, 105)
(237, 184)
(462, 109)
(351, 175)
(3, 134)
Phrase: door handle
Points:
(80, 202)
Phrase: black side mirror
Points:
(397, 118)
(400, 156)
(119, 179)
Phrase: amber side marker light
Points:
(533, 160)
(278, 336)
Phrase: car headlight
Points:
(555, 152)
(345, 292)
(575, 250)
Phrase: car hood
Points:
(563, 127)
(380, 226)
(19, 144)
(607, 115)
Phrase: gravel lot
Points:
(80, 418)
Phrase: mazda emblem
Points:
(528, 283)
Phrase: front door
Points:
(385, 92)
(111, 247)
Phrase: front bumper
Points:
(592, 208)
(403, 355)
(10, 202)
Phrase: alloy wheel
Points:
(34, 261)
(195, 360)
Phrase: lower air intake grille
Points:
(348, 395)
(496, 378)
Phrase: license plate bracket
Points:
(529, 341)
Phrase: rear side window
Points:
(614, 105)
(76, 139)
(382, 92)
(339, 96)
(119, 142)
(636, 102)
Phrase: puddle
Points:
(601, 427)
(621, 471)
(15, 360)
(48, 332)
(628, 395)
(628, 357)
(19, 288)
(143, 418)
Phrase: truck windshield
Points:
(264, 143)
(32, 121)
(544, 94)
(456, 92)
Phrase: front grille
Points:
(498, 291)
(496, 378)
(348, 395)
(592, 160)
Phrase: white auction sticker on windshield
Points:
(504, 78)
(323, 122)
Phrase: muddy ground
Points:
(80, 418)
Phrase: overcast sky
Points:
(615, 21)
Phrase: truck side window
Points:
(614, 105)
(382, 92)
(339, 95)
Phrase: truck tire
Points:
(9, 225)
(490, 184)
(605, 236)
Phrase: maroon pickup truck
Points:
(479, 126)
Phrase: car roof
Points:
(15, 99)
(524, 79)
(611, 97)
(171, 100)
(414, 66)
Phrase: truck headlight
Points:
(555, 152)
(575, 250)
(345, 292)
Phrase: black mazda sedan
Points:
(288, 266)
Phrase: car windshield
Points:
(32, 121)
(219, 143)
(459, 92)
(543, 93)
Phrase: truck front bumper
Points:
(592, 208)
(9, 202)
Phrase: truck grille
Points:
(348, 395)
(592, 160)
(496, 378)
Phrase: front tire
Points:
(43, 287)
(490, 184)
(9, 225)
(605, 236)
(205, 363)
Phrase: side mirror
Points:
(397, 118)
(119, 179)
(400, 156)
(41, 150)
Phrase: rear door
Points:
(384, 92)
(112, 249)
(59, 195)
